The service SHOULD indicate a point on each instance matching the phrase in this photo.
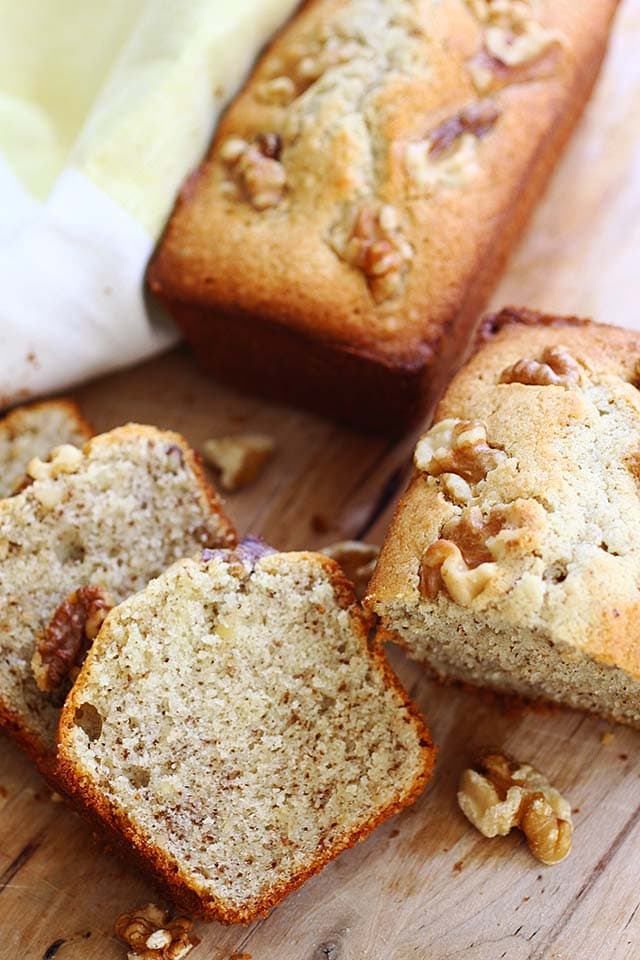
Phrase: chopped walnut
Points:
(279, 91)
(555, 368)
(64, 459)
(255, 169)
(357, 559)
(478, 118)
(151, 935)
(307, 60)
(448, 155)
(499, 794)
(457, 447)
(489, 75)
(454, 168)
(238, 458)
(64, 644)
(471, 533)
(512, 34)
(443, 564)
(373, 242)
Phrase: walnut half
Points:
(255, 169)
(457, 447)
(442, 564)
(371, 240)
(63, 645)
(499, 794)
(556, 367)
(151, 935)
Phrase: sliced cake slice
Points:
(92, 527)
(232, 724)
(513, 561)
(33, 431)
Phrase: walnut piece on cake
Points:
(255, 171)
(498, 794)
(371, 239)
(556, 367)
(459, 448)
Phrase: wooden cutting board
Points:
(425, 886)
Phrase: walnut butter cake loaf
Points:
(33, 431)
(513, 561)
(93, 526)
(364, 190)
(233, 726)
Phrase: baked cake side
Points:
(513, 560)
(364, 190)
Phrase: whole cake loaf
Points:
(363, 192)
(234, 728)
(91, 527)
(513, 560)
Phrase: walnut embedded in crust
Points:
(442, 565)
(463, 561)
(371, 240)
(457, 447)
(512, 37)
(499, 794)
(239, 458)
(62, 647)
(556, 367)
(256, 173)
(448, 155)
(357, 559)
(477, 119)
(151, 935)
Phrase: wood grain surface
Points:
(425, 886)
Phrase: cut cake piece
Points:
(232, 725)
(111, 516)
(33, 431)
(513, 560)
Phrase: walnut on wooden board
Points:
(255, 171)
(556, 367)
(498, 794)
(459, 448)
(357, 560)
(239, 458)
(151, 935)
(63, 645)
(371, 240)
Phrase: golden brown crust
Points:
(167, 873)
(305, 328)
(12, 421)
(493, 323)
(569, 448)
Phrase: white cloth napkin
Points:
(104, 109)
